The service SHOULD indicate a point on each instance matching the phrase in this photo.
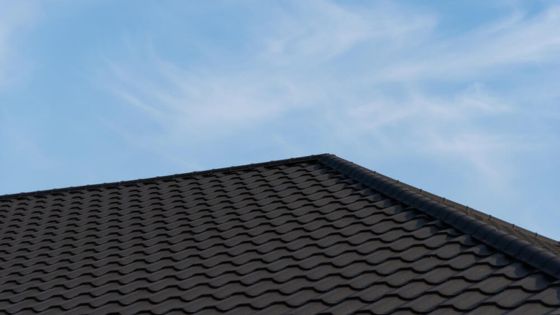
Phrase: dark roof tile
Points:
(311, 307)
(451, 287)
(467, 300)
(400, 278)
(533, 308)
(412, 290)
(535, 282)
(510, 297)
(549, 296)
(337, 295)
(301, 236)
(426, 302)
(374, 292)
(347, 306)
(477, 272)
(386, 305)
(438, 274)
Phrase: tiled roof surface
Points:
(300, 236)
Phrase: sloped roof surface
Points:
(302, 236)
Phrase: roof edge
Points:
(449, 213)
(308, 158)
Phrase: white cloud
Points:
(207, 105)
(440, 128)
(316, 31)
(302, 66)
(514, 41)
(307, 32)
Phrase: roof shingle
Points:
(316, 234)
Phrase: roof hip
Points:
(449, 213)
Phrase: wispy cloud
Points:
(272, 84)
(451, 127)
(206, 105)
(357, 73)
(317, 31)
(513, 41)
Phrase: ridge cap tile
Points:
(486, 231)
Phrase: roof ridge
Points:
(450, 213)
(299, 159)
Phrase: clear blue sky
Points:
(461, 98)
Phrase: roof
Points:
(316, 234)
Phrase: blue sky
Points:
(460, 98)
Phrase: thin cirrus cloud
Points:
(300, 37)
(300, 65)
(514, 41)
(315, 32)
